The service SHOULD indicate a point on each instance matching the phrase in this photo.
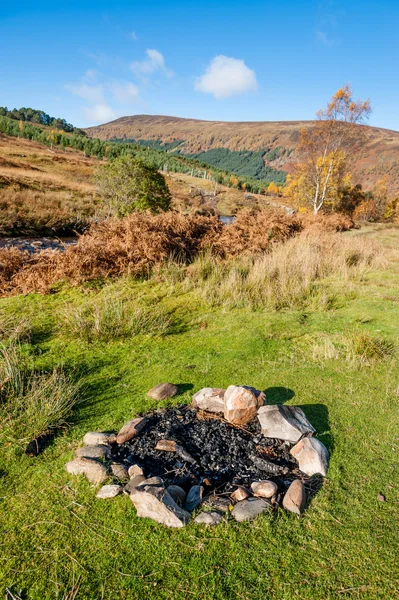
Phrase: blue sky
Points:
(91, 62)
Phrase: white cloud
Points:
(225, 77)
(124, 91)
(92, 93)
(322, 37)
(99, 113)
(134, 36)
(154, 62)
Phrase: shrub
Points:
(366, 348)
(129, 185)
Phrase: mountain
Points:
(274, 141)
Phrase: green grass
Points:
(59, 541)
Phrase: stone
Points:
(249, 509)
(295, 497)
(130, 430)
(156, 503)
(209, 518)
(92, 452)
(95, 472)
(312, 456)
(157, 481)
(135, 470)
(177, 493)
(240, 494)
(194, 498)
(166, 446)
(210, 399)
(133, 484)
(264, 489)
(284, 422)
(162, 391)
(218, 503)
(242, 403)
(184, 455)
(119, 471)
(109, 491)
(97, 438)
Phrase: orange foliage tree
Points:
(327, 150)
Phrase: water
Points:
(35, 244)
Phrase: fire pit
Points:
(228, 452)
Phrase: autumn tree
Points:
(327, 152)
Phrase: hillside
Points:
(278, 141)
(49, 191)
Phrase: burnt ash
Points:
(224, 456)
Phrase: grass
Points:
(32, 404)
(58, 538)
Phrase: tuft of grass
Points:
(32, 404)
(15, 329)
(109, 318)
(366, 348)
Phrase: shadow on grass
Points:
(278, 395)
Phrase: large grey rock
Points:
(264, 488)
(194, 498)
(295, 497)
(109, 491)
(177, 493)
(312, 456)
(210, 399)
(119, 471)
(130, 430)
(241, 403)
(94, 471)
(156, 503)
(218, 503)
(209, 518)
(96, 438)
(162, 391)
(284, 422)
(154, 481)
(93, 452)
(249, 509)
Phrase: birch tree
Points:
(328, 151)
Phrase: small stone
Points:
(209, 518)
(97, 438)
(218, 503)
(295, 497)
(166, 446)
(177, 493)
(242, 403)
(93, 452)
(109, 491)
(95, 472)
(119, 471)
(312, 456)
(156, 503)
(240, 494)
(284, 422)
(180, 451)
(210, 399)
(194, 498)
(380, 497)
(153, 481)
(135, 470)
(130, 430)
(162, 391)
(249, 509)
(264, 489)
(133, 484)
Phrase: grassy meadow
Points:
(325, 338)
